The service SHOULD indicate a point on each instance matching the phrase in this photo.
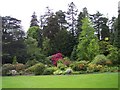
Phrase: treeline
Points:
(77, 36)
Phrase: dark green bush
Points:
(39, 69)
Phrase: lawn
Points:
(103, 80)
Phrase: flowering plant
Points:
(56, 57)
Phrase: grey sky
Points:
(23, 9)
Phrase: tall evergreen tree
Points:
(34, 31)
(34, 21)
(87, 47)
(81, 15)
(71, 15)
(60, 15)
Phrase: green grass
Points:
(104, 80)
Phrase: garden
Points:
(61, 50)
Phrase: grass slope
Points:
(104, 80)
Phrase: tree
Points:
(34, 21)
(105, 33)
(87, 47)
(52, 27)
(117, 33)
(33, 52)
(113, 27)
(72, 12)
(44, 18)
(100, 25)
(46, 48)
(63, 42)
(81, 15)
(36, 33)
(12, 40)
(60, 15)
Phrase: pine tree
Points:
(34, 21)
(71, 13)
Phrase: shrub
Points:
(19, 67)
(58, 72)
(31, 62)
(61, 66)
(66, 61)
(49, 70)
(100, 59)
(14, 60)
(113, 54)
(68, 71)
(94, 68)
(80, 65)
(6, 69)
(39, 69)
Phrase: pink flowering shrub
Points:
(56, 57)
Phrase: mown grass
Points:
(104, 80)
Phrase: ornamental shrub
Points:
(6, 69)
(19, 67)
(31, 62)
(100, 60)
(39, 69)
(113, 54)
(66, 61)
(79, 65)
(56, 57)
(58, 72)
(49, 70)
(61, 66)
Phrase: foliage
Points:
(46, 48)
(73, 56)
(103, 47)
(12, 40)
(34, 21)
(19, 67)
(6, 69)
(14, 60)
(117, 33)
(33, 51)
(58, 72)
(66, 61)
(71, 13)
(39, 69)
(35, 33)
(94, 68)
(30, 63)
(68, 70)
(49, 70)
(79, 66)
(100, 60)
(61, 66)
(87, 39)
(113, 54)
(56, 57)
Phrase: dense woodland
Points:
(77, 35)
